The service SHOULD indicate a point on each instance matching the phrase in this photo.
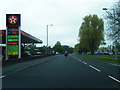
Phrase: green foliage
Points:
(80, 48)
(91, 33)
(67, 48)
(62, 48)
(117, 44)
(103, 42)
(58, 47)
(100, 58)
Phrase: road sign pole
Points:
(6, 44)
(19, 55)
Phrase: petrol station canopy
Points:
(25, 37)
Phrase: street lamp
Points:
(114, 21)
(104, 9)
(47, 39)
(47, 33)
(113, 13)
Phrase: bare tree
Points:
(113, 18)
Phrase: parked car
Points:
(110, 53)
(106, 53)
(27, 53)
(88, 53)
(38, 53)
(118, 53)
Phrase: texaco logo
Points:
(12, 19)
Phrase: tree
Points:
(58, 47)
(62, 48)
(117, 45)
(91, 32)
(76, 47)
(67, 48)
(113, 19)
(80, 48)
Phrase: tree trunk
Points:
(92, 52)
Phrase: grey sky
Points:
(65, 15)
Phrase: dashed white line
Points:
(79, 60)
(99, 70)
(114, 78)
(76, 58)
(84, 62)
(94, 68)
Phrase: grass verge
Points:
(111, 56)
(102, 59)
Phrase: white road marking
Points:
(84, 62)
(114, 78)
(2, 76)
(94, 68)
(76, 58)
(115, 64)
(79, 60)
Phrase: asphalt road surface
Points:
(61, 72)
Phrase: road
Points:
(61, 72)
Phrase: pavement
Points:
(61, 72)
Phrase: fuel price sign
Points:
(13, 34)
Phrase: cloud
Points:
(65, 15)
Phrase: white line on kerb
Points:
(94, 68)
(2, 76)
(114, 78)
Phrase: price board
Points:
(13, 50)
(13, 34)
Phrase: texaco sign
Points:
(13, 35)
(12, 19)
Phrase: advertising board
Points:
(13, 34)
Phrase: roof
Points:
(27, 38)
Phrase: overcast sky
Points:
(65, 15)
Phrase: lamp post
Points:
(47, 38)
(47, 33)
(113, 13)
(114, 23)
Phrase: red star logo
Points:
(12, 19)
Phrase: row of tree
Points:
(48, 50)
(62, 48)
(91, 32)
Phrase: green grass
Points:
(102, 59)
(111, 56)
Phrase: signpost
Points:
(13, 39)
